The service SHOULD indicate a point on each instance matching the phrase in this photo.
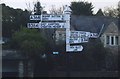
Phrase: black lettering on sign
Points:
(32, 25)
(31, 17)
(35, 17)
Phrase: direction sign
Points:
(79, 37)
(46, 25)
(75, 48)
(93, 35)
(47, 17)
(84, 36)
(35, 17)
(63, 21)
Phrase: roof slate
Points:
(91, 23)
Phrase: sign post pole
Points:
(67, 13)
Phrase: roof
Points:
(99, 13)
(110, 29)
(91, 23)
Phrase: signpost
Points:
(47, 17)
(46, 25)
(75, 48)
(79, 37)
(93, 35)
(63, 21)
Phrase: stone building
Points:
(110, 37)
(91, 24)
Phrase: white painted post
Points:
(117, 40)
(21, 70)
(66, 14)
(114, 40)
(110, 40)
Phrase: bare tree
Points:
(55, 10)
(111, 11)
(35, 7)
(29, 6)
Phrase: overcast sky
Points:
(48, 3)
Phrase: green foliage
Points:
(96, 50)
(12, 19)
(81, 8)
(29, 41)
(111, 12)
(93, 55)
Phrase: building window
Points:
(116, 40)
(107, 40)
(112, 40)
